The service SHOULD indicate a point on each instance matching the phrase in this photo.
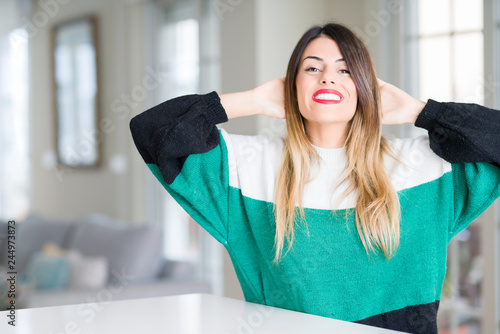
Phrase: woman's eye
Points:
(312, 69)
(345, 72)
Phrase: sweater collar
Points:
(332, 157)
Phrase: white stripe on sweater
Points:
(254, 162)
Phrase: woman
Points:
(333, 220)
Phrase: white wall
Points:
(238, 42)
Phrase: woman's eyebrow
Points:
(321, 59)
(314, 57)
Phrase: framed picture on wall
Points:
(76, 92)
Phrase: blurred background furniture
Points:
(94, 259)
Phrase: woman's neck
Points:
(327, 135)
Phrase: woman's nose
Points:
(327, 78)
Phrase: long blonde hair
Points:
(377, 207)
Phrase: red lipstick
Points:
(327, 96)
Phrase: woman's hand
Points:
(267, 99)
(270, 98)
(397, 106)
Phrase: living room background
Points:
(233, 45)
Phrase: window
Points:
(14, 125)
(445, 60)
(451, 50)
(444, 51)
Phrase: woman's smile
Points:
(327, 96)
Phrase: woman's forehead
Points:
(322, 49)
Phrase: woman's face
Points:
(326, 92)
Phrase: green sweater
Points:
(226, 183)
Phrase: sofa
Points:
(95, 259)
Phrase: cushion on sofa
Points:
(87, 272)
(49, 272)
(131, 251)
(34, 232)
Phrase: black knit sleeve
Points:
(168, 133)
(461, 132)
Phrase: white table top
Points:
(183, 314)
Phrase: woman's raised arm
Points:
(266, 99)
(458, 132)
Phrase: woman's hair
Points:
(377, 207)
